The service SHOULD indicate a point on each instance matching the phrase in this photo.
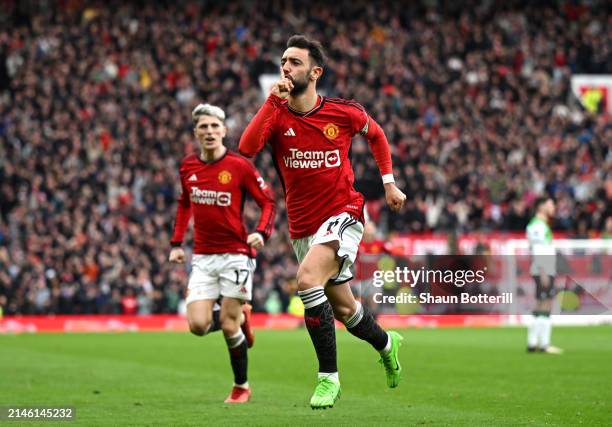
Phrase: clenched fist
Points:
(177, 255)
(395, 197)
(255, 240)
(283, 87)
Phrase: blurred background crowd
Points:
(95, 103)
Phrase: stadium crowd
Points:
(95, 102)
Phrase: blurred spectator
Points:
(129, 303)
(94, 118)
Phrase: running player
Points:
(310, 136)
(213, 186)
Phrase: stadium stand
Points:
(95, 101)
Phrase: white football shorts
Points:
(230, 275)
(344, 229)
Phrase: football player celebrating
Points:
(310, 136)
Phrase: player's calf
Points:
(231, 313)
(245, 325)
(319, 319)
(237, 347)
(363, 325)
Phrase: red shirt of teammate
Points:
(213, 187)
(214, 193)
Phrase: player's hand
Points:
(255, 240)
(282, 87)
(395, 197)
(177, 255)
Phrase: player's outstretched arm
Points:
(382, 154)
(260, 128)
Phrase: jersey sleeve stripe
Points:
(346, 102)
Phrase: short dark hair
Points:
(540, 201)
(315, 49)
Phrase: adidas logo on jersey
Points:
(193, 177)
(289, 132)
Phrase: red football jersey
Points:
(214, 194)
(311, 154)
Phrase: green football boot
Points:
(326, 394)
(390, 360)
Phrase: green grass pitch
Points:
(451, 377)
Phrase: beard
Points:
(299, 86)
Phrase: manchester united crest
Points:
(225, 177)
(331, 131)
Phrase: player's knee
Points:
(199, 327)
(306, 278)
(343, 313)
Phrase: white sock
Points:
(546, 332)
(539, 326)
(235, 340)
(332, 376)
(532, 333)
(387, 348)
(245, 385)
